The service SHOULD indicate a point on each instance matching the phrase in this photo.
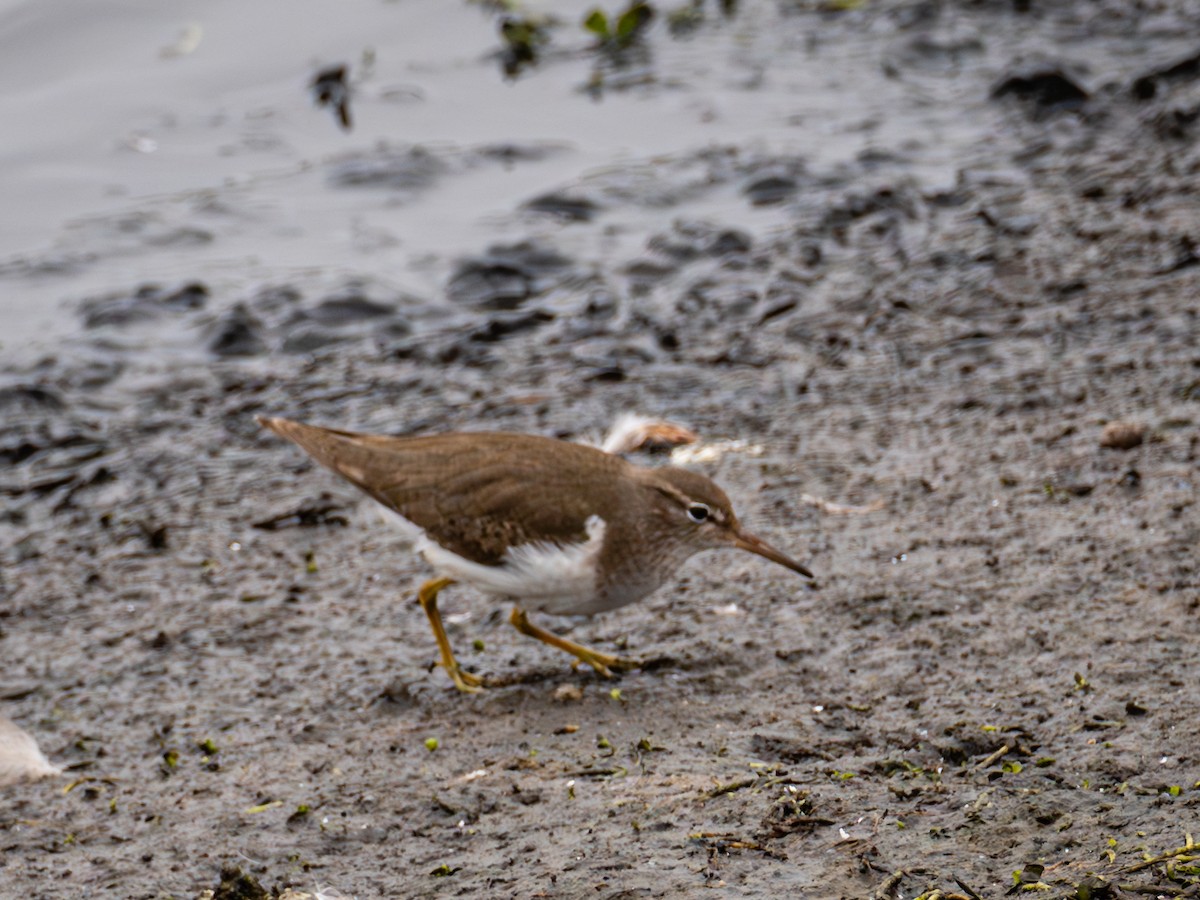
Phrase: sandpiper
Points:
(558, 527)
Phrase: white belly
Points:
(540, 576)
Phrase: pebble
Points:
(1121, 435)
(568, 693)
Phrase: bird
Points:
(558, 527)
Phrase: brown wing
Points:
(475, 494)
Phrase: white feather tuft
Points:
(631, 432)
(20, 758)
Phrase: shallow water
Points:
(131, 165)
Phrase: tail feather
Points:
(328, 446)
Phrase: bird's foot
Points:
(605, 663)
(467, 682)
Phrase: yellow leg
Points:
(603, 663)
(463, 680)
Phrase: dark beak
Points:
(745, 541)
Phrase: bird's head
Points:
(695, 506)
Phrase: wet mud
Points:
(971, 406)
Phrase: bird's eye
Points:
(697, 512)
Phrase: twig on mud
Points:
(991, 758)
(89, 779)
(876, 821)
(728, 841)
(792, 811)
(838, 509)
(966, 890)
(1183, 854)
(887, 887)
(758, 783)
(614, 772)
(980, 803)
(730, 788)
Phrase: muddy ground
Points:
(995, 670)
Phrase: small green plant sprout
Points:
(523, 39)
(624, 30)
